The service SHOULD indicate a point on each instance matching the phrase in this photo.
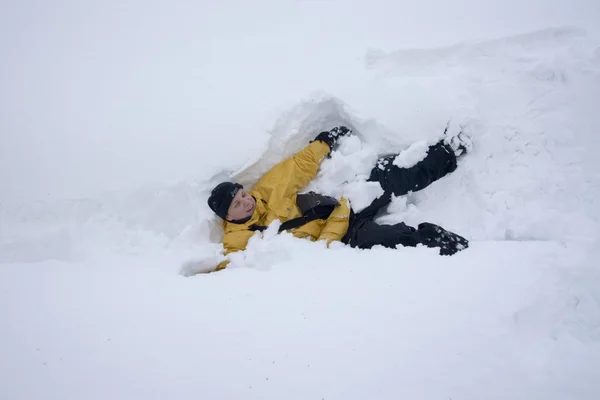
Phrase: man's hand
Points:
(331, 137)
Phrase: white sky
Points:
(100, 95)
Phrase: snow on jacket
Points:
(275, 195)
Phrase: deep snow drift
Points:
(95, 304)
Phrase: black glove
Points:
(332, 136)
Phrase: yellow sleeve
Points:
(222, 265)
(234, 241)
(289, 176)
(337, 224)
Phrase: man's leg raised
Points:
(440, 161)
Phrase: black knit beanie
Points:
(221, 197)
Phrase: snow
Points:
(100, 296)
(411, 156)
(361, 194)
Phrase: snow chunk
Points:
(411, 156)
(199, 266)
(351, 163)
(362, 193)
(265, 249)
(349, 145)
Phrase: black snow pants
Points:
(364, 233)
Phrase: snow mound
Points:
(297, 127)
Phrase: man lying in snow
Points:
(319, 217)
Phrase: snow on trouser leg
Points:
(435, 236)
(440, 161)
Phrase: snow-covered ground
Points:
(95, 303)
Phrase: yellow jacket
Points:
(275, 195)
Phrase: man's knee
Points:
(442, 155)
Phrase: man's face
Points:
(241, 207)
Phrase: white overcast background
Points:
(102, 95)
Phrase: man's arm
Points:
(288, 177)
(234, 241)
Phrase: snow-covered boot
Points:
(460, 142)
